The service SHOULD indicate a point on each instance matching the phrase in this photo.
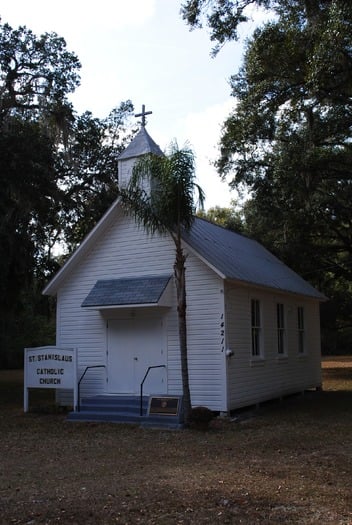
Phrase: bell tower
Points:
(142, 144)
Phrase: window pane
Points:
(257, 312)
(300, 318)
(280, 315)
(300, 329)
(255, 342)
(256, 329)
(280, 320)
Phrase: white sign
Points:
(50, 367)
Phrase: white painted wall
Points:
(125, 168)
(251, 380)
(205, 312)
(218, 382)
(126, 250)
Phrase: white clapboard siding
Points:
(125, 250)
(125, 171)
(251, 381)
(218, 319)
(205, 354)
(85, 328)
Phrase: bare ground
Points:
(286, 462)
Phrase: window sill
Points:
(257, 361)
(282, 358)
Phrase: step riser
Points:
(165, 422)
(112, 409)
(116, 408)
(124, 409)
(121, 417)
(115, 401)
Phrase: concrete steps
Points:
(123, 409)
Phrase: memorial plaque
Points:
(164, 406)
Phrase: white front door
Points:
(133, 346)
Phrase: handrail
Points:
(142, 383)
(79, 384)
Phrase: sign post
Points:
(50, 367)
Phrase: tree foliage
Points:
(288, 139)
(88, 169)
(161, 191)
(229, 217)
(27, 191)
(58, 175)
(221, 16)
(36, 74)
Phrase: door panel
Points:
(133, 346)
(120, 357)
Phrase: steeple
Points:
(142, 144)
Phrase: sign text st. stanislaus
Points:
(49, 367)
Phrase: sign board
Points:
(164, 405)
(50, 367)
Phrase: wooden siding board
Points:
(126, 250)
(250, 382)
(206, 358)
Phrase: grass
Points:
(289, 461)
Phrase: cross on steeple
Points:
(143, 114)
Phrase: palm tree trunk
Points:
(179, 270)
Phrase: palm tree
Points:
(161, 197)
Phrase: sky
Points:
(142, 50)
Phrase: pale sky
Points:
(142, 50)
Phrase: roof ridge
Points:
(225, 228)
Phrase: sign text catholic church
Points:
(50, 367)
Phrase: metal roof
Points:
(141, 145)
(237, 257)
(146, 290)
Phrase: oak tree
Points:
(288, 138)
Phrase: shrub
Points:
(200, 417)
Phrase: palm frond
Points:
(161, 191)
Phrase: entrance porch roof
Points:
(149, 290)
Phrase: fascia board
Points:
(278, 291)
(123, 306)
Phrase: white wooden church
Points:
(253, 324)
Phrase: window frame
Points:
(256, 329)
(281, 342)
(301, 346)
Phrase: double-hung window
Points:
(300, 329)
(280, 323)
(256, 328)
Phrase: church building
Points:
(253, 324)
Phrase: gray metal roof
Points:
(140, 145)
(239, 258)
(127, 291)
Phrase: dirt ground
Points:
(286, 462)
